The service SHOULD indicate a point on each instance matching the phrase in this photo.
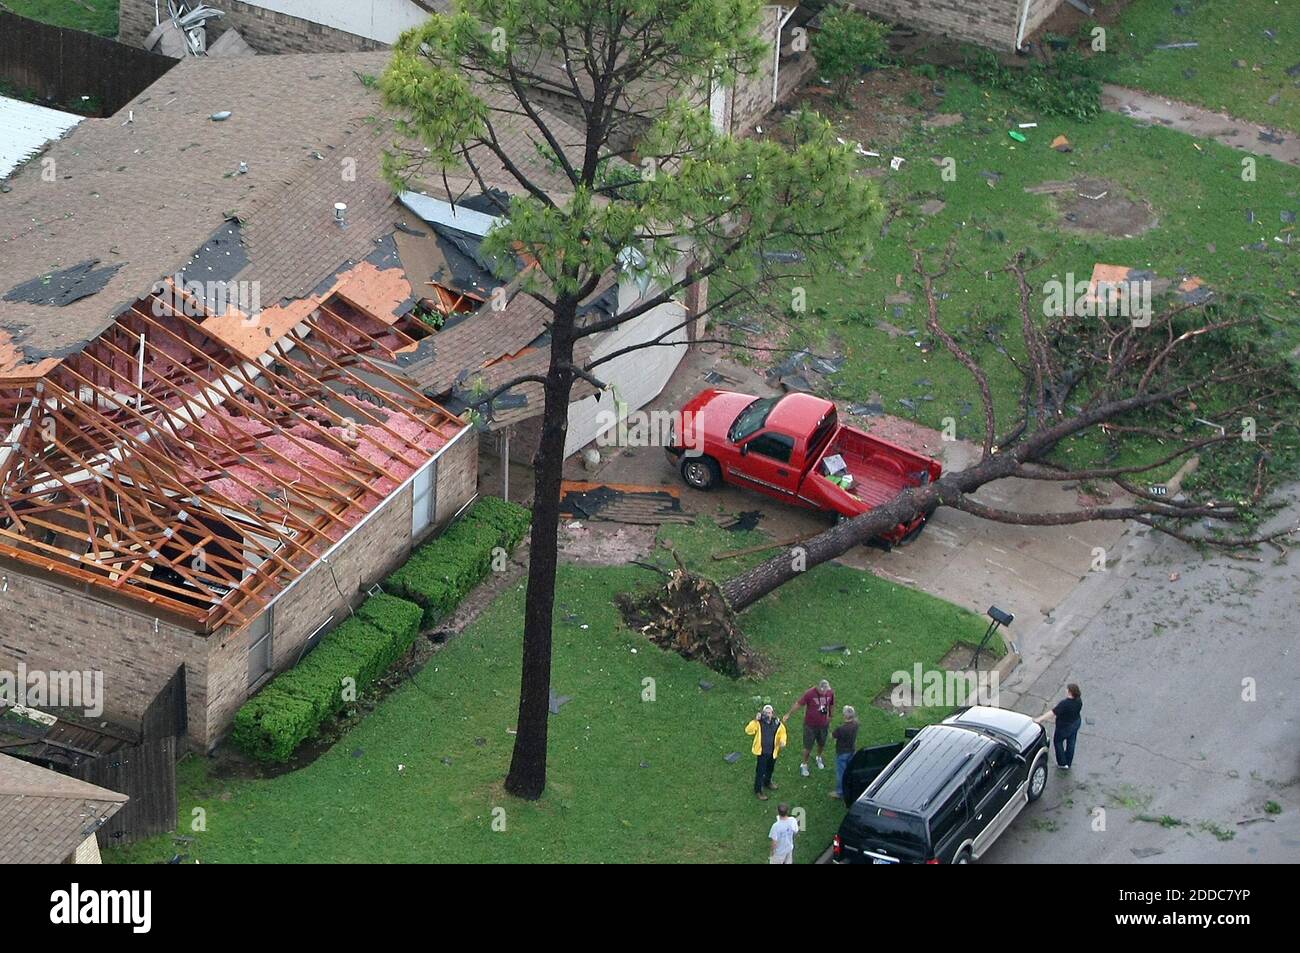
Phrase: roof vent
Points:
(341, 214)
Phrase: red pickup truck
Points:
(794, 448)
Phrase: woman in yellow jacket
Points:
(769, 738)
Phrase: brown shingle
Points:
(44, 815)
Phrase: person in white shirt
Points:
(781, 837)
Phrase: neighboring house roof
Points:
(45, 815)
(25, 128)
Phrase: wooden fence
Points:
(57, 67)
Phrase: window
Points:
(774, 445)
(950, 817)
(260, 655)
(751, 419)
(990, 774)
(423, 498)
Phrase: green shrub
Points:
(271, 724)
(441, 572)
(847, 43)
(1066, 86)
(295, 704)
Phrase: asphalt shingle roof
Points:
(45, 815)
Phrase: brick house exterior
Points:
(992, 23)
(51, 626)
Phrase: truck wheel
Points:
(702, 473)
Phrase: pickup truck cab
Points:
(793, 448)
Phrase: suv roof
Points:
(1009, 724)
(928, 767)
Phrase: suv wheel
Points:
(702, 473)
(1038, 777)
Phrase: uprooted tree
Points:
(689, 206)
(1193, 381)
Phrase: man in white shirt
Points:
(781, 837)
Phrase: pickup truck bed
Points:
(879, 473)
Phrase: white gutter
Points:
(776, 54)
(1024, 17)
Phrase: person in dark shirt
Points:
(846, 743)
(1068, 713)
(818, 703)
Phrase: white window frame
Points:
(267, 638)
(424, 497)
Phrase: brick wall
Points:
(990, 23)
(265, 30)
(325, 594)
(50, 627)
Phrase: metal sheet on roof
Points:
(25, 128)
(437, 212)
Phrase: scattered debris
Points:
(60, 288)
(1188, 45)
(745, 522)
(556, 703)
(764, 547)
(731, 758)
(1062, 144)
(622, 503)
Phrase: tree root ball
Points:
(690, 616)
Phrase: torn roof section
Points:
(26, 128)
(165, 465)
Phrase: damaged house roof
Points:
(197, 447)
(191, 453)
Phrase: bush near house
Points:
(441, 572)
(848, 43)
(295, 704)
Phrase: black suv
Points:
(945, 795)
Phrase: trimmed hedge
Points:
(294, 705)
(441, 572)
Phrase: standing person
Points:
(1068, 713)
(846, 743)
(781, 837)
(817, 705)
(769, 739)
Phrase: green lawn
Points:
(93, 16)
(1228, 32)
(630, 780)
(1194, 187)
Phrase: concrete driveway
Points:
(1190, 674)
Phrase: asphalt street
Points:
(1190, 748)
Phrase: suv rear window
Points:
(895, 827)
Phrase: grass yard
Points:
(93, 16)
(630, 780)
(1236, 68)
(1204, 227)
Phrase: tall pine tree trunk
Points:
(527, 777)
